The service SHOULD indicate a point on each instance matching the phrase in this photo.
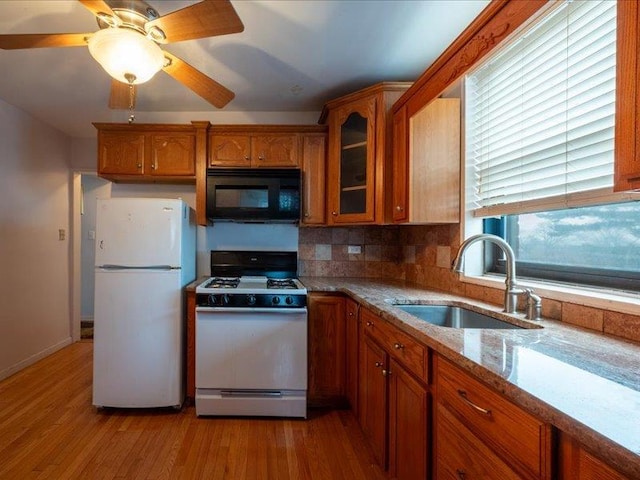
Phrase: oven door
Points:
(251, 361)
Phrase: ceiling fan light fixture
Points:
(126, 54)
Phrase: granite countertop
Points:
(585, 383)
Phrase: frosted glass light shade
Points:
(123, 52)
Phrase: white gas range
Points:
(251, 336)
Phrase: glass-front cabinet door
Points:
(351, 178)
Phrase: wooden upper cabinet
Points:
(275, 151)
(426, 180)
(313, 179)
(359, 155)
(121, 153)
(229, 150)
(173, 154)
(352, 163)
(399, 184)
(233, 146)
(627, 136)
(147, 152)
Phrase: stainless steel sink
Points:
(453, 317)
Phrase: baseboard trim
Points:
(7, 372)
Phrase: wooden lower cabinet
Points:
(408, 425)
(352, 328)
(460, 455)
(372, 408)
(191, 344)
(393, 404)
(517, 438)
(326, 350)
(575, 463)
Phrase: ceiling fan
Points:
(128, 44)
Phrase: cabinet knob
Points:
(460, 473)
(378, 364)
(139, 165)
(261, 157)
(399, 208)
(246, 157)
(398, 346)
(306, 215)
(351, 314)
(386, 373)
(369, 324)
(153, 166)
(335, 214)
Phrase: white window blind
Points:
(540, 113)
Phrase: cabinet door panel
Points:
(121, 153)
(313, 179)
(274, 151)
(400, 187)
(578, 464)
(230, 151)
(352, 331)
(373, 397)
(173, 155)
(326, 350)
(352, 163)
(408, 425)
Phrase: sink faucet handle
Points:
(534, 305)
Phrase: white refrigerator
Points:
(145, 255)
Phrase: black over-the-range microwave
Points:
(253, 195)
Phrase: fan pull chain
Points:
(131, 78)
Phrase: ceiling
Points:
(293, 56)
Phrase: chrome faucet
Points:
(512, 290)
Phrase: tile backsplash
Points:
(422, 254)
(325, 252)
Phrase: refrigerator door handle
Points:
(129, 267)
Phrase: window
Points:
(539, 125)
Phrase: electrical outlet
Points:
(62, 234)
(92, 234)
(354, 249)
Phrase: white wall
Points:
(34, 263)
(93, 187)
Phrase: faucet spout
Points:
(511, 291)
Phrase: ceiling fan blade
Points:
(205, 19)
(209, 89)
(122, 96)
(97, 6)
(43, 40)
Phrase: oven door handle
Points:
(276, 310)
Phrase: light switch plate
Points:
(354, 249)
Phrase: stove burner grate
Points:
(221, 282)
(284, 283)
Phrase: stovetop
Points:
(252, 284)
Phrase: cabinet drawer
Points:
(515, 434)
(460, 455)
(406, 350)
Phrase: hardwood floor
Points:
(50, 430)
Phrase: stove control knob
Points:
(275, 300)
(288, 300)
(251, 299)
(224, 300)
(212, 300)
